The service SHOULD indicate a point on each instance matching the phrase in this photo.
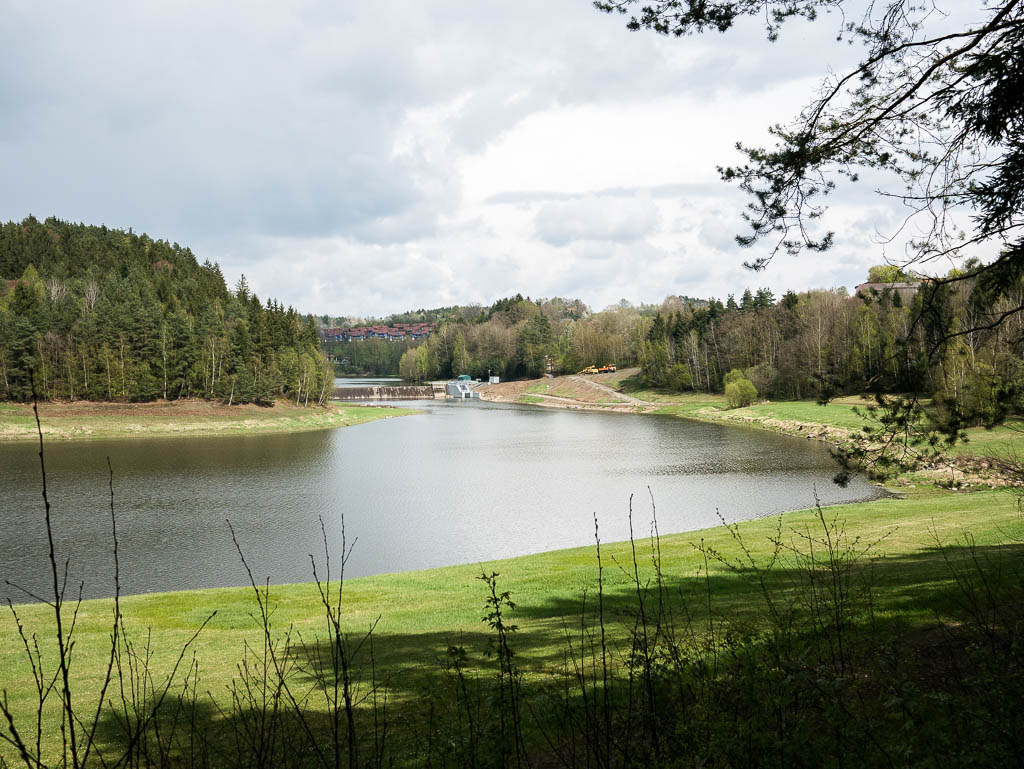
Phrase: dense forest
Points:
(515, 338)
(898, 333)
(379, 357)
(368, 357)
(901, 333)
(103, 314)
(421, 315)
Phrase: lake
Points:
(465, 482)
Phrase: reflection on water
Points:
(464, 482)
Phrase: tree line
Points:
(517, 337)
(903, 335)
(928, 337)
(368, 357)
(105, 314)
(90, 312)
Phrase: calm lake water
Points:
(465, 482)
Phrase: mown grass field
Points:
(422, 613)
(86, 420)
(840, 413)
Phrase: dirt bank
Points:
(567, 392)
(84, 419)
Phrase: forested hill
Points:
(105, 314)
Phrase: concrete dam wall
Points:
(384, 393)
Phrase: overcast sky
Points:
(362, 159)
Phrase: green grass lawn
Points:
(635, 386)
(833, 414)
(423, 613)
(690, 404)
(1004, 441)
(840, 413)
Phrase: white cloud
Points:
(371, 158)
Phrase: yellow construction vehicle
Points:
(588, 370)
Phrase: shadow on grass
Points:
(758, 680)
(813, 649)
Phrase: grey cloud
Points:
(596, 218)
(280, 124)
(681, 189)
(745, 62)
(692, 271)
(197, 119)
(529, 196)
(718, 235)
(251, 129)
(218, 142)
(418, 222)
(608, 271)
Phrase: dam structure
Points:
(461, 389)
(383, 393)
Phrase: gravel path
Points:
(610, 391)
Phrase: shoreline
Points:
(700, 407)
(874, 511)
(601, 393)
(88, 420)
(442, 606)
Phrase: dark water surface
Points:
(463, 483)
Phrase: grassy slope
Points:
(102, 420)
(422, 613)
(840, 414)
